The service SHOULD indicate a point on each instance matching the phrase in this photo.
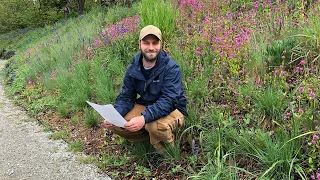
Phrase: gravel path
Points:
(27, 153)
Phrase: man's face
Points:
(150, 47)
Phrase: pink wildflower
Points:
(301, 89)
(312, 95)
(302, 62)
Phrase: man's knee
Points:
(135, 111)
(160, 131)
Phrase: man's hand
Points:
(107, 125)
(135, 124)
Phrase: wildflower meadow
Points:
(250, 73)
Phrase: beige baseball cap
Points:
(150, 29)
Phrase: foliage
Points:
(90, 118)
(250, 73)
(117, 13)
(76, 146)
(23, 14)
(125, 3)
(62, 134)
(271, 103)
(142, 152)
(160, 14)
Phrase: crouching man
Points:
(161, 106)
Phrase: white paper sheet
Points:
(109, 113)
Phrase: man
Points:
(160, 108)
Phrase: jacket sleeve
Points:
(126, 99)
(171, 92)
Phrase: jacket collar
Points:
(162, 60)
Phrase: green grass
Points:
(277, 157)
(256, 121)
(90, 118)
(271, 103)
(87, 159)
(63, 109)
(160, 14)
(142, 151)
(62, 134)
(76, 146)
(117, 13)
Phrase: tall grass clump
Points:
(278, 153)
(216, 148)
(90, 118)
(57, 50)
(159, 13)
(103, 89)
(117, 13)
(80, 87)
(271, 103)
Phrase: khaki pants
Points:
(158, 131)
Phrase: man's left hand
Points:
(135, 124)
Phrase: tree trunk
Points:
(81, 6)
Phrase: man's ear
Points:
(139, 44)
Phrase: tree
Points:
(81, 6)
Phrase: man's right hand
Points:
(107, 125)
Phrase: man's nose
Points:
(151, 47)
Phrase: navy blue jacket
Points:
(162, 93)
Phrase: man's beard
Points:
(150, 59)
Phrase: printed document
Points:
(109, 113)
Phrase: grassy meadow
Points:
(250, 73)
